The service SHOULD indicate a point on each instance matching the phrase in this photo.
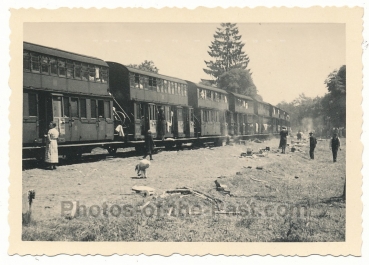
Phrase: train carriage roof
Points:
(142, 72)
(241, 96)
(210, 88)
(63, 54)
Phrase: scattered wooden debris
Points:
(144, 191)
(259, 167)
(258, 180)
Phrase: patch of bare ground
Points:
(292, 198)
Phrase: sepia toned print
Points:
(225, 134)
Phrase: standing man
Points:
(334, 145)
(149, 145)
(299, 135)
(283, 141)
(313, 143)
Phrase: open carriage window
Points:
(82, 105)
(61, 67)
(74, 107)
(107, 109)
(70, 69)
(53, 66)
(45, 65)
(26, 61)
(35, 63)
(66, 106)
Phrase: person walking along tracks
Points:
(313, 143)
(334, 145)
(51, 150)
(283, 141)
(149, 145)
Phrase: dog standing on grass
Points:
(142, 167)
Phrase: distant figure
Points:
(161, 123)
(334, 145)
(51, 151)
(149, 145)
(283, 141)
(313, 143)
(299, 135)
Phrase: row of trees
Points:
(321, 113)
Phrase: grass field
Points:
(292, 198)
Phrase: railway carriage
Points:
(152, 102)
(210, 107)
(242, 108)
(69, 89)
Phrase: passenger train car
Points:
(89, 99)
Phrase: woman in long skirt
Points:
(51, 151)
(283, 140)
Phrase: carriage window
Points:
(165, 86)
(159, 85)
(66, 106)
(32, 105)
(185, 90)
(170, 87)
(175, 88)
(97, 74)
(138, 84)
(26, 61)
(91, 73)
(77, 71)
(146, 82)
(247, 105)
(154, 82)
(85, 73)
(100, 108)
(151, 82)
(180, 118)
(61, 67)
(57, 106)
(132, 80)
(82, 105)
(107, 109)
(70, 69)
(35, 63)
(74, 107)
(44, 65)
(93, 109)
(104, 75)
(53, 66)
(208, 94)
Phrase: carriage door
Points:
(30, 118)
(230, 122)
(74, 121)
(168, 113)
(139, 120)
(153, 119)
(58, 118)
(192, 121)
(223, 123)
(180, 123)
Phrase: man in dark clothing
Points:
(149, 145)
(283, 141)
(335, 144)
(313, 143)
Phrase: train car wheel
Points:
(112, 150)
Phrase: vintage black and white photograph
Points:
(170, 135)
(184, 132)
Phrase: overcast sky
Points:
(285, 59)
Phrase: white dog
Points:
(141, 168)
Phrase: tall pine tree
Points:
(226, 49)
